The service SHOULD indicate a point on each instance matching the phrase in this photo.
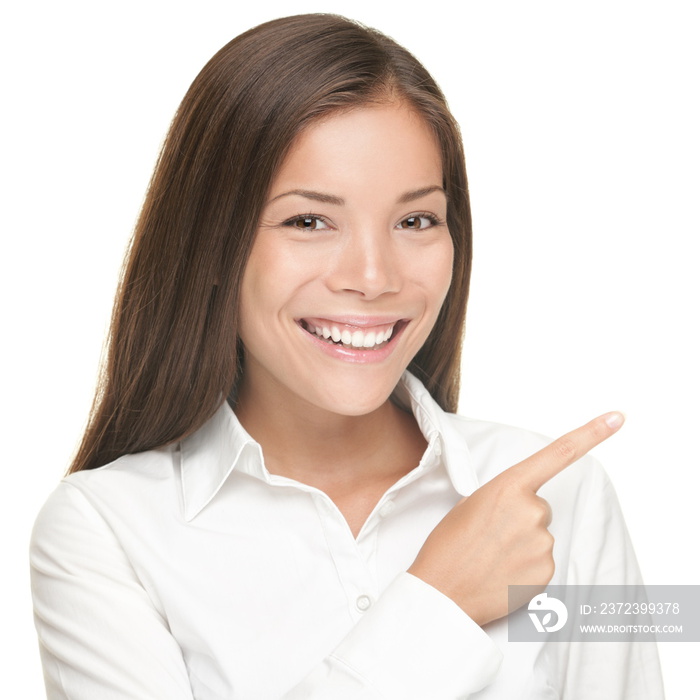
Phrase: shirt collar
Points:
(209, 455)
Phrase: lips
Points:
(357, 334)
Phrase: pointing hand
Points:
(498, 535)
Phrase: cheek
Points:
(263, 278)
(278, 266)
(436, 270)
(448, 262)
(255, 297)
(273, 280)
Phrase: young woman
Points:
(273, 498)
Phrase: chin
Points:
(358, 400)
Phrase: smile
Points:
(351, 336)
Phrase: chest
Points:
(276, 580)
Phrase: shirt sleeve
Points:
(416, 643)
(100, 636)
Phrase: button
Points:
(387, 508)
(363, 603)
(438, 448)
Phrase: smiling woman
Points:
(273, 498)
(334, 310)
(374, 282)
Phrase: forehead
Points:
(363, 145)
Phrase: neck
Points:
(327, 450)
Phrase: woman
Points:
(265, 503)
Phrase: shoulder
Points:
(128, 490)
(494, 447)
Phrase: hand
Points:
(498, 535)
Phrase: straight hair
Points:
(173, 353)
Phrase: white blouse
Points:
(192, 572)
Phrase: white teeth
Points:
(355, 339)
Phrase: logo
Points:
(543, 604)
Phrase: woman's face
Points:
(351, 263)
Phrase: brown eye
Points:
(418, 222)
(307, 223)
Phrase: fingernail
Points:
(614, 420)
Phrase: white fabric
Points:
(191, 572)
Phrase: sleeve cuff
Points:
(417, 643)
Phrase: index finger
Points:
(539, 468)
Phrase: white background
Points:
(580, 123)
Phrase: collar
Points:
(209, 455)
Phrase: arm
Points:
(509, 514)
(415, 644)
(99, 634)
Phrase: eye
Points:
(307, 222)
(419, 221)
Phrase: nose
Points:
(367, 264)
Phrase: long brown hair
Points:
(173, 352)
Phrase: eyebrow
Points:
(311, 194)
(422, 192)
(339, 201)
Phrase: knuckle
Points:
(565, 448)
(537, 516)
(543, 546)
(546, 542)
(549, 568)
(539, 513)
(545, 512)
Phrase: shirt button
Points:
(438, 448)
(363, 603)
(387, 509)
